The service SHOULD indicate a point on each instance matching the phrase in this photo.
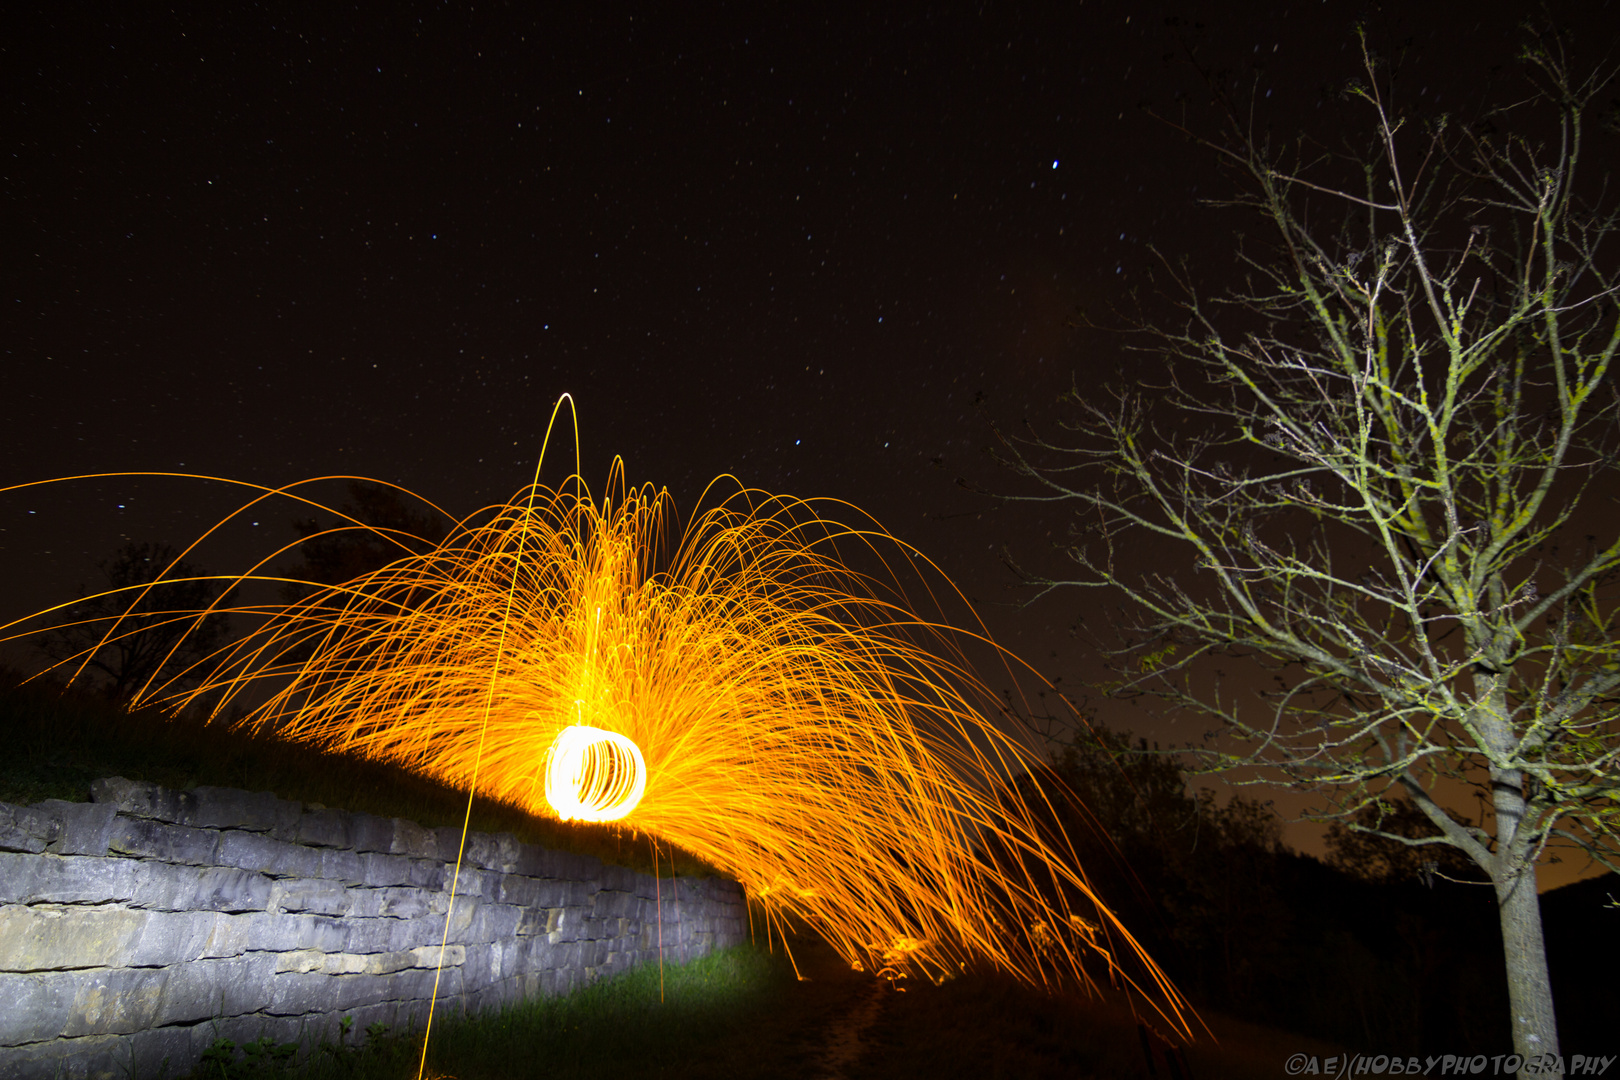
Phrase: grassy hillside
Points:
(59, 741)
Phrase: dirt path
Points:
(820, 1028)
(845, 1031)
(838, 1024)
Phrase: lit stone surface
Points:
(127, 922)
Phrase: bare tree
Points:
(1373, 449)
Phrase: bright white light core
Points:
(594, 775)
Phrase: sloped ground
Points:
(837, 1024)
(987, 1027)
(743, 1014)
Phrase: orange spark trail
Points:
(747, 696)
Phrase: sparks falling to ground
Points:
(738, 691)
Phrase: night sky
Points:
(271, 243)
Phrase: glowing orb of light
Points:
(594, 775)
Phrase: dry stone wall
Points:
(141, 926)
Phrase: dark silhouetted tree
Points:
(1363, 846)
(376, 527)
(149, 633)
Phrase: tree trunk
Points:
(1535, 1027)
(1513, 874)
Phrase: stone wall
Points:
(142, 925)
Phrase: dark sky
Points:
(269, 243)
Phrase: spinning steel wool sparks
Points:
(594, 775)
(739, 691)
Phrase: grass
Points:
(741, 1013)
(58, 741)
(695, 1020)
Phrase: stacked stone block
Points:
(137, 928)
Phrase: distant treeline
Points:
(1376, 949)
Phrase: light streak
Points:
(740, 690)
